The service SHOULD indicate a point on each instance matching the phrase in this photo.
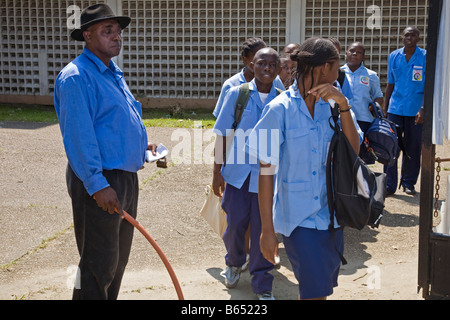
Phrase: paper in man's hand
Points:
(161, 152)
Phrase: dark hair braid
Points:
(313, 53)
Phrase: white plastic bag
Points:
(212, 212)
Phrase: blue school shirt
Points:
(345, 89)
(409, 82)
(235, 81)
(289, 138)
(100, 121)
(238, 164)
(365, 86)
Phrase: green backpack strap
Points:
(241, 103)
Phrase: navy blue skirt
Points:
(314, 259)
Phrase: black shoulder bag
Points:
(355, 194)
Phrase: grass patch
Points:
(30, 113)
(171, 117)
(174, 117)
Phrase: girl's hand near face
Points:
(327, 91)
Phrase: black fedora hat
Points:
(94, 14)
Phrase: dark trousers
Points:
(103, 239)
(242, 210)
(412, 137)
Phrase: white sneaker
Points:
(245, 265)
(268, 295)
(231, 275)
(277, 262)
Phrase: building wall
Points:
(377, 24)
(186, 49)
(181, 51)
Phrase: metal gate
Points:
(434, 248)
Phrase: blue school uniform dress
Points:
(235, 81)
(406, 100)
(288, 137)
(240, 200)
(365, 86)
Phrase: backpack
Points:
(355, 193)
(241, 103)
(341, 77)
(383, 140)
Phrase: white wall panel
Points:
(348, 22)
(185, 49)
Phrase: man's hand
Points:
(419, 117)
(107, 200)
(152, 147)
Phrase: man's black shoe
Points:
(409, 191)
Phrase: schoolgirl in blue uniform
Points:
(365, 86)
(240, 173)
(291, 141)
(364, 83)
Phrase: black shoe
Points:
(411, 191)
(389, 193)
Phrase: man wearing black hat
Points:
(105, 142)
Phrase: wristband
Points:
(346, 110)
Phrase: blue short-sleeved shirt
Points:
(288, 137)
(345, 89)
(408, 79)
(100, 121)
(365, 86)
(235, 81)
(238, 164)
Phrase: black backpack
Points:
(341, 77)
(355, 193)
(383, 140)
(241, 103)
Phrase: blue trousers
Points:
(242, 210)
(412, 136)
